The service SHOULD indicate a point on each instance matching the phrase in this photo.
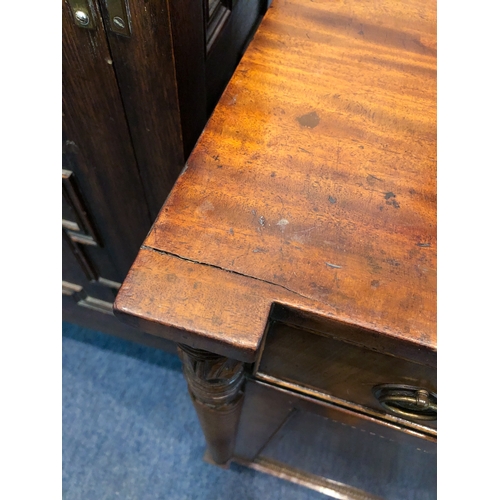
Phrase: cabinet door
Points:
(209, 37)
(143, 61)
(342, 453)
(105, 215)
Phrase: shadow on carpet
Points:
(130, 431)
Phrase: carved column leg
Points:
(215, 386)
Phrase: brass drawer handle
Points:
(407, 401)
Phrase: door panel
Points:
(209, 38)
(77, 285)
(145, 70)
(226, 49)
(104, 210)
(344, 450)
(97, 147)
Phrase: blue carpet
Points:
(130, 432)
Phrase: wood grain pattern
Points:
(144, 64)
(188, 40)
(314, 183)
(122, 137)
(165, 94)
(97, 145)
(226, 313)
(172, 298)
(202, 76)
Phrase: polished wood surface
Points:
(301, 237)
(226, 313)
(313, 186)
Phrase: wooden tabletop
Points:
(312, 186)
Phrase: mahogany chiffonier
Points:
(294, 261)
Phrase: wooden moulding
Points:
(228, 314)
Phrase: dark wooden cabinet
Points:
(134, 103)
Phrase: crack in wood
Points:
(171, 254)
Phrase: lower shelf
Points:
(328, 487)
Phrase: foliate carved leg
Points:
(215, 386)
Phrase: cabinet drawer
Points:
(350, 372)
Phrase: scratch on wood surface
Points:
(305, 230)
(333, 265)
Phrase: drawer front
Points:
(349, 372)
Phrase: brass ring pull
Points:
(407, 401)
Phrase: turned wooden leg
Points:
(215, 386)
